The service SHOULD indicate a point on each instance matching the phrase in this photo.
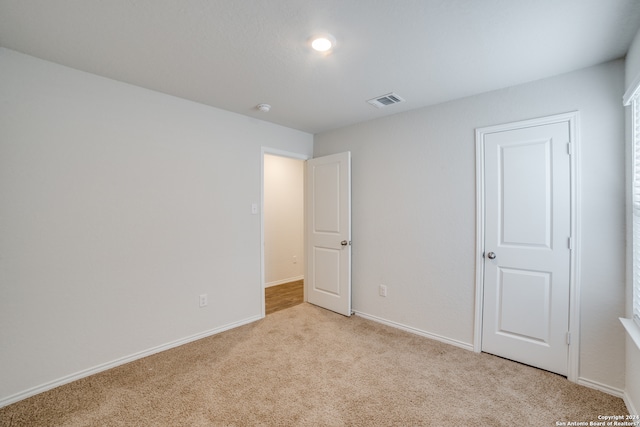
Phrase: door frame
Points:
(572, 118)
(291, 155)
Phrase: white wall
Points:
(119, 206)
(283, 219)
(414, 210)
(632, 374)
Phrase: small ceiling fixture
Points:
(323, 43)
(264, 107)
(385, 100)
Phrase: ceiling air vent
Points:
(385, 100)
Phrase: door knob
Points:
(344, 243)
(491, 255)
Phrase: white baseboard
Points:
(283, 281)
(413, 330)
(601, 387)
(629, 404)
(121, 361)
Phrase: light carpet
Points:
(305, 366)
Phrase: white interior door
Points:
(527, 257)
(328, 196)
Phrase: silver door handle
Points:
(491, 255)
(344, 243)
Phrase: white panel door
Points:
(527, 259)
(328, 196)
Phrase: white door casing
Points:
(526, 267)
(328, 237)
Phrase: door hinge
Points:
(568, 338)
(570, 243)
(569, 148)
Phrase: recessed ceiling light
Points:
(323, 43)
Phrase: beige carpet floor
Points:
(305, 366)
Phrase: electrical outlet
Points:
(382, 290)
(203, 300)
(295, 259)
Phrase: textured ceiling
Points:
(235, 54)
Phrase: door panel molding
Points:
(328, 232)
(572, 120)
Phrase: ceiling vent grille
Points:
(385, 100)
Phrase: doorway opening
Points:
(283, 257)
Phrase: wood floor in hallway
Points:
(283, 296)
